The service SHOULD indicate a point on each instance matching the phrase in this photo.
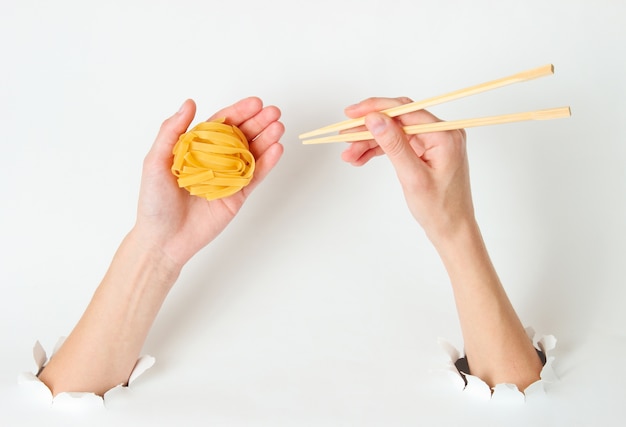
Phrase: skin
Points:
(171, 226)
(433, 171)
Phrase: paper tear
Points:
(535, 390)
(77, 401)
(144, 363)
(504, 393)
(507, 393)
(451, 369)
(39, 354)
(35, 387)
(477, 388)
(72, 401)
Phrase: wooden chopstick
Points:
(420, 105)
(552, 113)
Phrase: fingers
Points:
(261, 126)
(393, 141)
(263, 130)
(267, 151)
(378, 104)
(240, 111)
(250, 116)
(170, 131)
(360, 152)
(263, 165)
(374, 104)
(256, 124)
(268, 136)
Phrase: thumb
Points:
(171, 129)
(393, 141)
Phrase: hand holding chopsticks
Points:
(433, 171)
(547, 114)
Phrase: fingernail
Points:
(182, 107)
(350, 107)
(376, 124)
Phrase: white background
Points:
(322, 303)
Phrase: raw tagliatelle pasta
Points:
(213, 160)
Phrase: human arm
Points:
(171, 226)
(433, 171)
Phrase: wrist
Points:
(151, 257)
(451, 235)
(465, 257)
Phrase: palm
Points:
(181, 224)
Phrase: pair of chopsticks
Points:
(552, 113)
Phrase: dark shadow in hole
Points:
(462, 365)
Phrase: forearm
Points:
(496, 345)
(101, 351)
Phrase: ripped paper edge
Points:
(503, 392)
(69, 400)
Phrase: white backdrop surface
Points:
(322, 303)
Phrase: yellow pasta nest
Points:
(213, 160)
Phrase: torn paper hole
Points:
(457, 369)
(73, 400)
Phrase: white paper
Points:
(507, 393)
(72, 401)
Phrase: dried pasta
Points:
(213, 160)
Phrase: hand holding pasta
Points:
(168, 217)
(171, 227)
(213, 160)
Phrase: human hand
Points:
(432, 168)
(171, 220)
